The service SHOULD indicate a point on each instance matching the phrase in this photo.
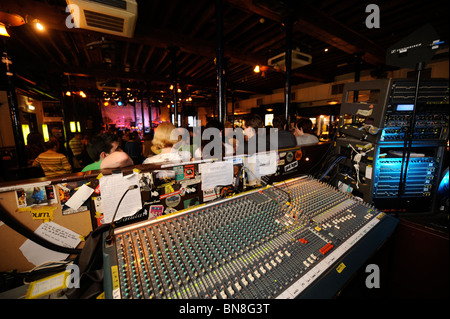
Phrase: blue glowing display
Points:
(405, 107)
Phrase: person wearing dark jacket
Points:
(286, 138)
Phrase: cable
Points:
(340, 158)
(18, 227)
(324, 156)
(108, 238)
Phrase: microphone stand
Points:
(109, 238)
(409, 134)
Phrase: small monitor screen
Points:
(405, 107)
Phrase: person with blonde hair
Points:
(164, 145)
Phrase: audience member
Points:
(133, 147)
(253, 141)
(147, 146)
(163, 146)
(303, 132)
(106, 153)
(285, 138)
(52, 162)
(227, 148)
(77, 148)
(35, 146)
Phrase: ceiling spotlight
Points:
(326, 50)
(256, 69)
(39, 26)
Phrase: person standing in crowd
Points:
(254, 142)
(163, 146)
(105, 150)
(227, 149)
(285, 138)
(35, 146)
(147, 145)
(303, 132)
(76, 146)
(133, 147)
(52, 162)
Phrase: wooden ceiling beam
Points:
(138, 54)
(54, 18)
(149, 55)
(329, 30)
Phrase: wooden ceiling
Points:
(253, 31)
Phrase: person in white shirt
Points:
(163, 147)
(303, 132)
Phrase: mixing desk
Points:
(267, 243)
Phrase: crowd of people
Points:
(166, 143)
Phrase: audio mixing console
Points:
(267, 243)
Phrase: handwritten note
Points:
(54, 233)
(217, 173)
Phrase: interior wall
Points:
(6, 131)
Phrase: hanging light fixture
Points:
(9, 20)
(3, 31)
(38, 25)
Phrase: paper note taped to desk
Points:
(54, 233)
(217, 173)
(112, 188)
